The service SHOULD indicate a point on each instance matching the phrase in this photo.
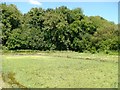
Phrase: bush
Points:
(93, 50)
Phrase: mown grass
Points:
(62, 69)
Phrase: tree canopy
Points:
(56, 29)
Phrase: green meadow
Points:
(63, 69)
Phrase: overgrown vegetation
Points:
(56, 29)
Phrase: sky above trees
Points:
(108, 10)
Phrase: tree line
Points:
(56, 29)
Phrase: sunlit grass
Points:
(63, 70)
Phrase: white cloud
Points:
(35, 2)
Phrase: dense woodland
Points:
(56, 29)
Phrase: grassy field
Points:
(61, 70)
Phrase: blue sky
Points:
(108, 10)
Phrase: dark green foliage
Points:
(11, 19)
(57, 29)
